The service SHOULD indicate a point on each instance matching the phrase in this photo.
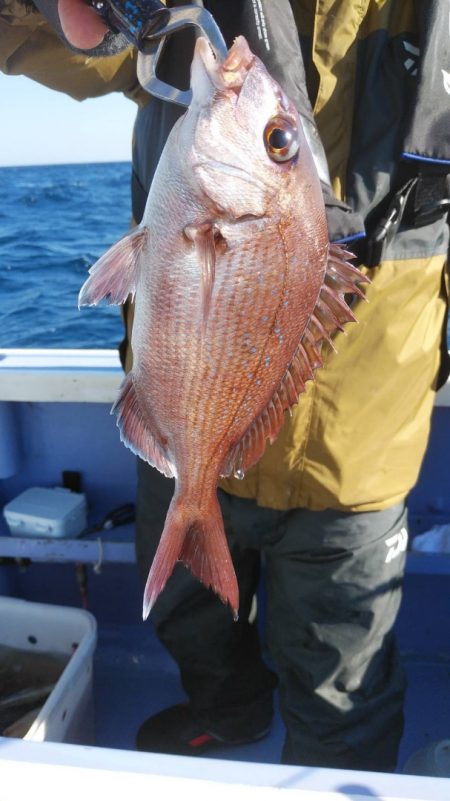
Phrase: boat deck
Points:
(130, 684)
(134, 677)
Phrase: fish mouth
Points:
(229, 74)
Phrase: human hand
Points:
(81, 27)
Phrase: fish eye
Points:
(281, 139)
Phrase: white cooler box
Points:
(68, 713)
(46, 512)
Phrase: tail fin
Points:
(195, 537)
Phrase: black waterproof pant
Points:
(332, 592)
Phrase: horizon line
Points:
(65, 163)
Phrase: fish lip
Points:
(231, 72)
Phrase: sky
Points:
(41, 126)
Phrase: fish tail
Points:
(196, 537)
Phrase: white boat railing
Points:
(49, 771)
(59, 375)
(68, 375)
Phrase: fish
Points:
(236, 288)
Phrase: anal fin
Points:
(252, 445)
(135, 431)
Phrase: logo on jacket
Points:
(396, 545)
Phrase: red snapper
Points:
(236, 287)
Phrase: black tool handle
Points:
(136, 19)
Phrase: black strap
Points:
(422, 200)
(431, 197)
(388, 226)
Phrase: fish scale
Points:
(236, 288)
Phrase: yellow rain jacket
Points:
(357, 437)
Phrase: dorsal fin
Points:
(113, 276)
(330, 313)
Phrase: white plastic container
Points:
(46, 512)
(68, 713)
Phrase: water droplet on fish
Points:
(239, 474)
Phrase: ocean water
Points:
(55, 221)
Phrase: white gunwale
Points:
(75, 375)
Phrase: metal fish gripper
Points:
(147, 24)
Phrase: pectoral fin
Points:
(203, 237)
(113, 276)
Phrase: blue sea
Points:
(55, 221)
